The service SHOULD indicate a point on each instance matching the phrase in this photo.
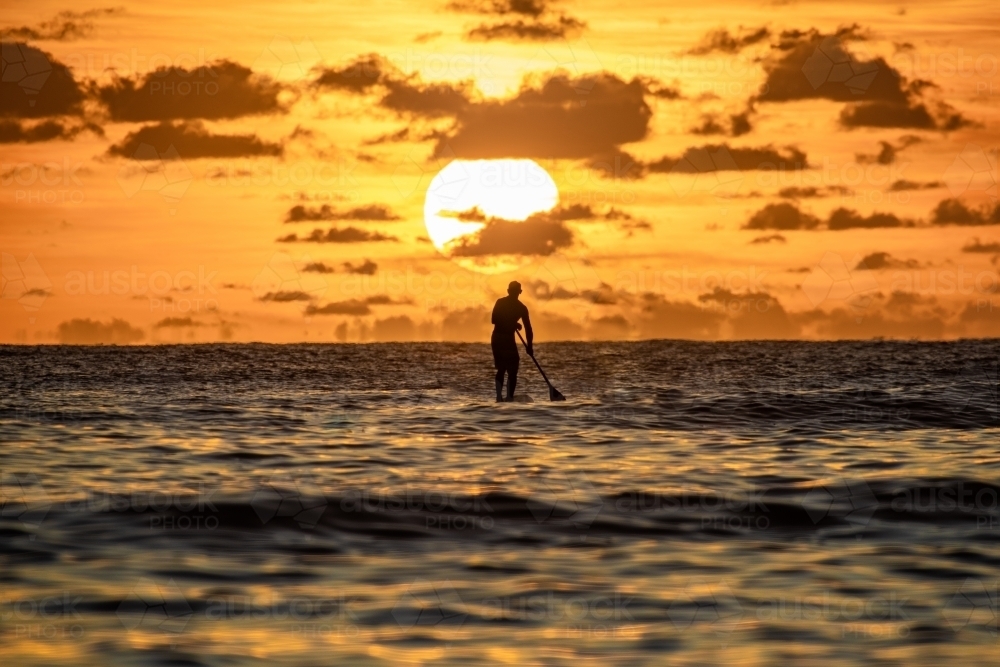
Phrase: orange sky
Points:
(176, 173)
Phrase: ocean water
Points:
(749, 503)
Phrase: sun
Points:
(466, 193)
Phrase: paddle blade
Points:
(554, 394)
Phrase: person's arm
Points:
(493, 318)
(529, 334)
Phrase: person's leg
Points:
(499, 364)
(511, 378)
(499, 381)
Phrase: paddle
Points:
(554, 394)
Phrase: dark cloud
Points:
(557, 116)
(626, 221)
(720, 41)
(658, 90)
(467, 324)
(901, 315)
(903, 185)
(94, 332)
(317, 267)
(192, 140)
(12, 132)
(725, 314)
(222, 89)
(888, 152)
(843, 218)
(390, 137)
(555, 326)
(559, 27)
(366, 268)
(796, 192)
(425, 37)
(721, 157)
(431, 100)
(356, 307)
(980, 320)
(781, 217)
(533, 8)
(64, 26)
(737, 125)
(785, 217)
(176, 323)
(338, 235)
(540, 234)
(375, 212)
(561, 213)
(35, 85)
(885, 156)
(358, 76)
(602, 295)
(349, 307)
(661, 318)
(609, 327)
(386, 300)
(547, 222)
(771, 238)
(975, 245)
(955, 212)
(564, 117)
(395, 328)
(286, 296)
(531, 20)
(401, 93)
(814, 65)
(752, 315)
(877, 261)
(887, 114)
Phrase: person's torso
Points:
(506, 313)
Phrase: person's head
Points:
(514, 288)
